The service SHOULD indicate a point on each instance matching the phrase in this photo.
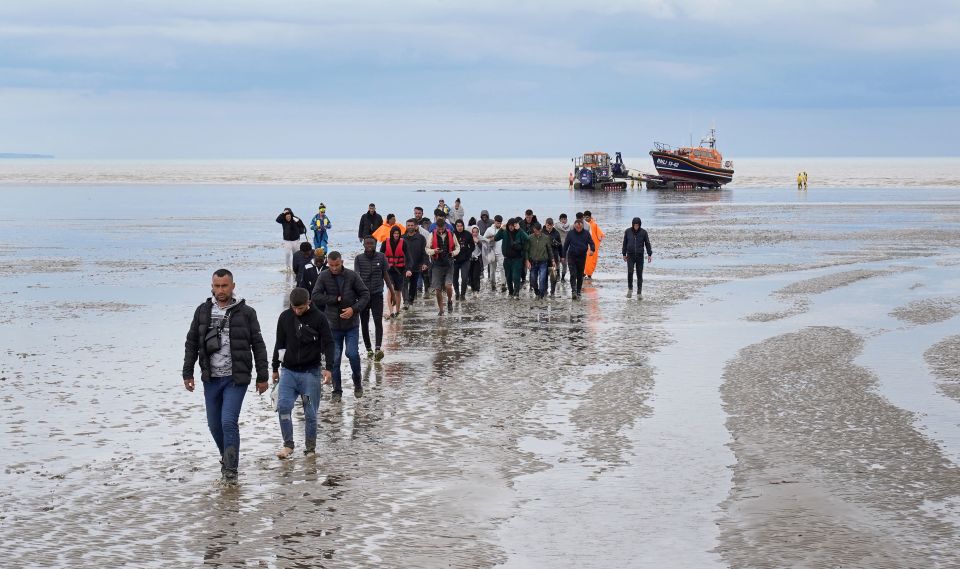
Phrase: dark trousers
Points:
(376, 307)
(425, 275)
(461, 275)
(576, 263)
(412, 285)
(635, 261)
(476, 271)
(512, 268)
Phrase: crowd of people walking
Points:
(444, 256)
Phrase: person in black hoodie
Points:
(303, 336)
(461, 263)
(575, 250)
(301, 258)
(222, 335)
(310, 272)
(393, 250)
(293, 228)
(635, 240)
(415, 259)
(369, 222)
(343, 295)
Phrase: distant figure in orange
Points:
(597, 234)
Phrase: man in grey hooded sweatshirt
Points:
(484, 222)
(635, 240)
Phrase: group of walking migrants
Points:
(331, 304)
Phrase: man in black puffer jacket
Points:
(371, 266)
(222, 336)
(343, 295)
(635, 240)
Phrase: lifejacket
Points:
(450, 242)
(395, 259)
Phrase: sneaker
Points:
(310, 453)
(406, 307)
(378, 355)
(336, 397)
(358, 392)
(284, 453)
(369, 353)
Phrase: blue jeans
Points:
(538, 277)
(351, 338)
(306, 385)
(223, 400)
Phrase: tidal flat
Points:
(782, 395)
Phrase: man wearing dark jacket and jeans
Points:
(225, 337)
(303, 336)
(343, 295)
(635, 240)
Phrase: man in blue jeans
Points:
(222, 335)
(343, 295)
(303, 338)
(539, 258)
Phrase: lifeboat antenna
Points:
(710, 140)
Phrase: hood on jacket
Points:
(484, 212)
(637, 221)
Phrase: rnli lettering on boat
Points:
(667, 163)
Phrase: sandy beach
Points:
(785, 394)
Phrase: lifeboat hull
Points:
(670, 165)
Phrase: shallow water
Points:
(512, 433)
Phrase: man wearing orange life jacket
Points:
(383, 232)
(442, 248)
(393, 249)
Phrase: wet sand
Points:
(783, 394)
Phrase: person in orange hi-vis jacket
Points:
(383, 232)
(597, 234)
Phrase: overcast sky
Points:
(491, 78)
